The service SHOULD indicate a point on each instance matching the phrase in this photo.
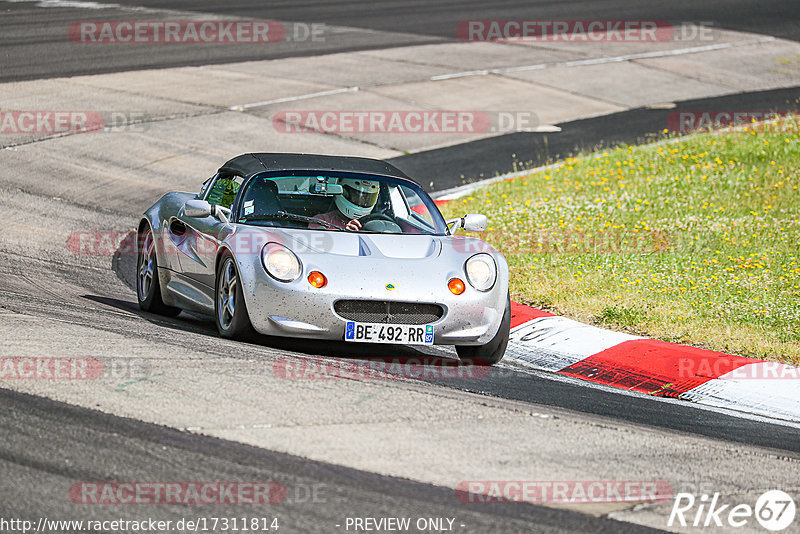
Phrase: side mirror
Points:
(472, 222)
(197, 208)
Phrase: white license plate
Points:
(403, 334)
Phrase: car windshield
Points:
(338, 202)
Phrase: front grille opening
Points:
(388, 312)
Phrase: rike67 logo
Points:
(774, 510)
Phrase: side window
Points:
(224, 190)
(418, 208)
(399, 206)
(204, 188)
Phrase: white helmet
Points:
(358, 197)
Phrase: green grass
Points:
(693, 240)
(621, 316)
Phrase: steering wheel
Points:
(326, 223)
(380, 222)
(375, 217)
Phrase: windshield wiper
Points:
(289, 217)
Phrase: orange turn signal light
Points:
(317, 279)
(456, 286)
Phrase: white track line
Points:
(604, 60)
(538, 66)
(463, 190)
(69, 4)
(79, 4)
(243, 107)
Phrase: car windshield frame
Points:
(438, 221)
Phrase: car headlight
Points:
(481, 272)
(280, 262)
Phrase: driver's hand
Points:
(353, 226)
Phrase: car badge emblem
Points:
(389, 286)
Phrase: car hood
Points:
(407, 247)
(376, 245)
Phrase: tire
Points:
(493, 351)
(230, 310)
(148, 287)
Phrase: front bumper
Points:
(297, 309)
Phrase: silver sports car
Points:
(324, 247)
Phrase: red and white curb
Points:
(546, 342)
(560, 345)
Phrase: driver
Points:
(356, 201)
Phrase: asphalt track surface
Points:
(46, 445)
(40, 459)
(34, 42)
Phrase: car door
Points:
(200, 240)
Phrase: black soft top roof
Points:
(249, 164)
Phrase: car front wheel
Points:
(493, 351)
(230, 310)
